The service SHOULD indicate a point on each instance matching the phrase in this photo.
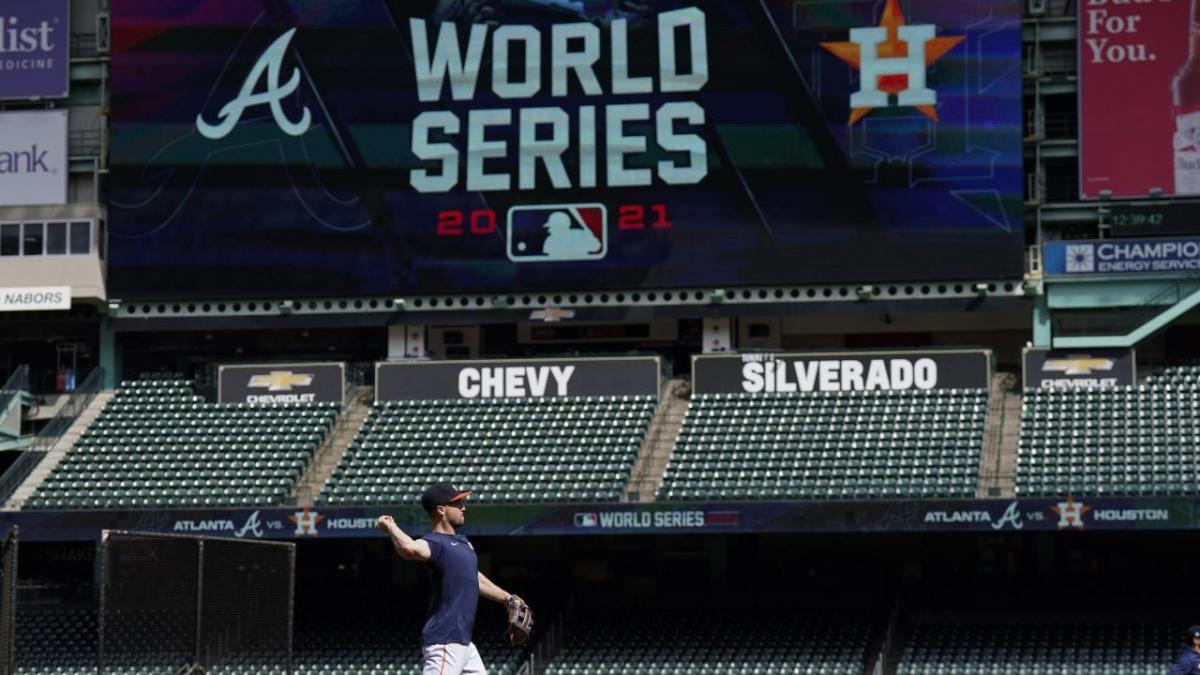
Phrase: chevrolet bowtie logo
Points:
(280, 380)
(1078, 365)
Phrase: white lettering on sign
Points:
(897, 374)
(514, 381)
(566, 56)
(1112, 31)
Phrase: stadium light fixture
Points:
(287, 306)
(981, 288)
(398, 304)
(717, 296)
(1156, 192)
(865, 292)
(1105, 195)
(113, 306)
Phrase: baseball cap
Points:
(440, 494)
(1193, 632)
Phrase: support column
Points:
(1042, 328)
(110, 353)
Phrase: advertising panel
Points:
(273, 383)
(1139, 70)
(34, 298)
(1079, 369)
(618, 376)
(1043, 514)
(33, 157)
(1123, 256)
(841, 371)
(401, 146)
(35, 44)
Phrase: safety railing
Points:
(79, 400)
(18, 471)
(16, 385)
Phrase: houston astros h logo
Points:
(270, 63)
(893, 58)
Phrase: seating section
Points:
(63, 642)
(157, 444)
(55, 641)
(504, 450)
(954, 648)
(829, 445)
(387, 643)
(759, 641)
(1120, 441)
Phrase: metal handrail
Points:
(16, 384)
(18, 471)
(79, 400)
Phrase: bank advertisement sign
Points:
(1122, 256)
(1139, 68)
(35, 49)
(33, 157)
(430, 147)
(840, 371)
(276, 383)
(540, 378)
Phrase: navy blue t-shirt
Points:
(454, 571)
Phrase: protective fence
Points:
(177, 604)
(8, 601)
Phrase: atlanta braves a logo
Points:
(270, 63)
(893, 59)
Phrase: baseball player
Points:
(1189, 656)
(446, 646)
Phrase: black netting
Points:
(246, 612)
(148, 603)
(8, 602)
(173, 604)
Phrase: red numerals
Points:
(482, 222)
(479, 222)
(633, 217)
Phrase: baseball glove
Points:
(520, 621)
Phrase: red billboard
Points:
(1139, 98)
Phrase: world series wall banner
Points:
(435, 146)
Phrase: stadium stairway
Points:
(59, 450)
(659, 442)
(998, 463)
(329, 455)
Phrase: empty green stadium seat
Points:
(961, 647)
(828, 445)
(1122, 441)
(744, 641)
(157, 444)
(505, 450)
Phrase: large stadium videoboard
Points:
(439, 147)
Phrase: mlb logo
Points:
(1081, 258)
(557, 233)
(586, 520)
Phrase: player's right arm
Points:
(406, 547)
